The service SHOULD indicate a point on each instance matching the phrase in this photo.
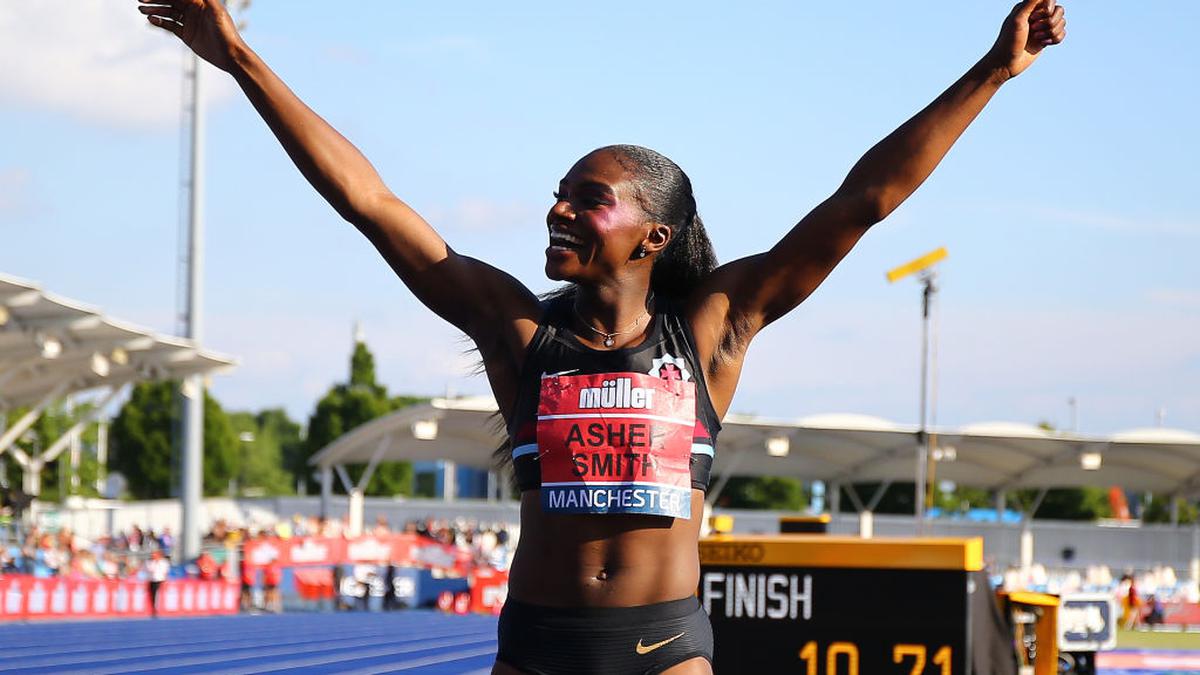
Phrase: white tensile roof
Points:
(52, 346)
(834, 447)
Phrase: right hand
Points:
(204, 26)
(1032, 26)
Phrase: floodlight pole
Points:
(922, 265)
(929, 288)
(192, 466)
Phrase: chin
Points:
(561, 270)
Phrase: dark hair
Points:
(665, 193)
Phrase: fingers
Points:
(165, 14)
(162, 12)
(164, 19)
(1025, 8)
(169, 26)
(1048, 28)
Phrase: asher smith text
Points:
(604, 442)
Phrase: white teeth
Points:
(556, 237)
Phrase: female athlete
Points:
(613, 389)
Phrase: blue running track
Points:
(414, 641)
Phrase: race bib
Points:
(616, 443)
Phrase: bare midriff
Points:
(604, 560)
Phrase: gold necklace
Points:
(608, 337)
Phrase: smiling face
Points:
(596, 223)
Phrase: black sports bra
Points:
(616, 405)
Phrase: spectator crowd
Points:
(42, 553)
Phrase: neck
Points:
(613, 308)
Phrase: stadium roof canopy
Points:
(51, 347)
(838, 448)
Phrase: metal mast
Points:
(928, 289)
(192, 391)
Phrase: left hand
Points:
(205, 26)
(1032, 26)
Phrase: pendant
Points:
(609, 341)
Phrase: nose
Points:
(560, 211)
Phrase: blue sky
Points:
(1068, 208)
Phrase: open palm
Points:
(204, 26)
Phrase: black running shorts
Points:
(610, 640)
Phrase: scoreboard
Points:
(828, 605)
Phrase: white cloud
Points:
(95, 59)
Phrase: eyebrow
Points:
(590, 184)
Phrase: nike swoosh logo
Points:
(565, 372)
(646, 649)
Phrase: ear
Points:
(657, 238)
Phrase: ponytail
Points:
(664, 192)
(686, 261)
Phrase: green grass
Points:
(1136, 639)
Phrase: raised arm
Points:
(475, 297)
(745, 295)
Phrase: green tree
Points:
(897, 498)
(1083, 503)
(769, 492)
(1157, 509)
(220, 448)
(261, 437)
(961, 499)
(346, 406)
(362, 369)
(142, 435)
(1086, 503)
(49, 427)
(289, 435)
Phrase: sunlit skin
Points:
(597, 203)
(611, 560)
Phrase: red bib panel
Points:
(616, 443)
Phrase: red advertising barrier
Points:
(489, 589)
(194, 597)
(314, 584)
(30, 598)
(311, 557)
(408, 550)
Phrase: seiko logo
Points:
(616, 393)
(718, 553)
